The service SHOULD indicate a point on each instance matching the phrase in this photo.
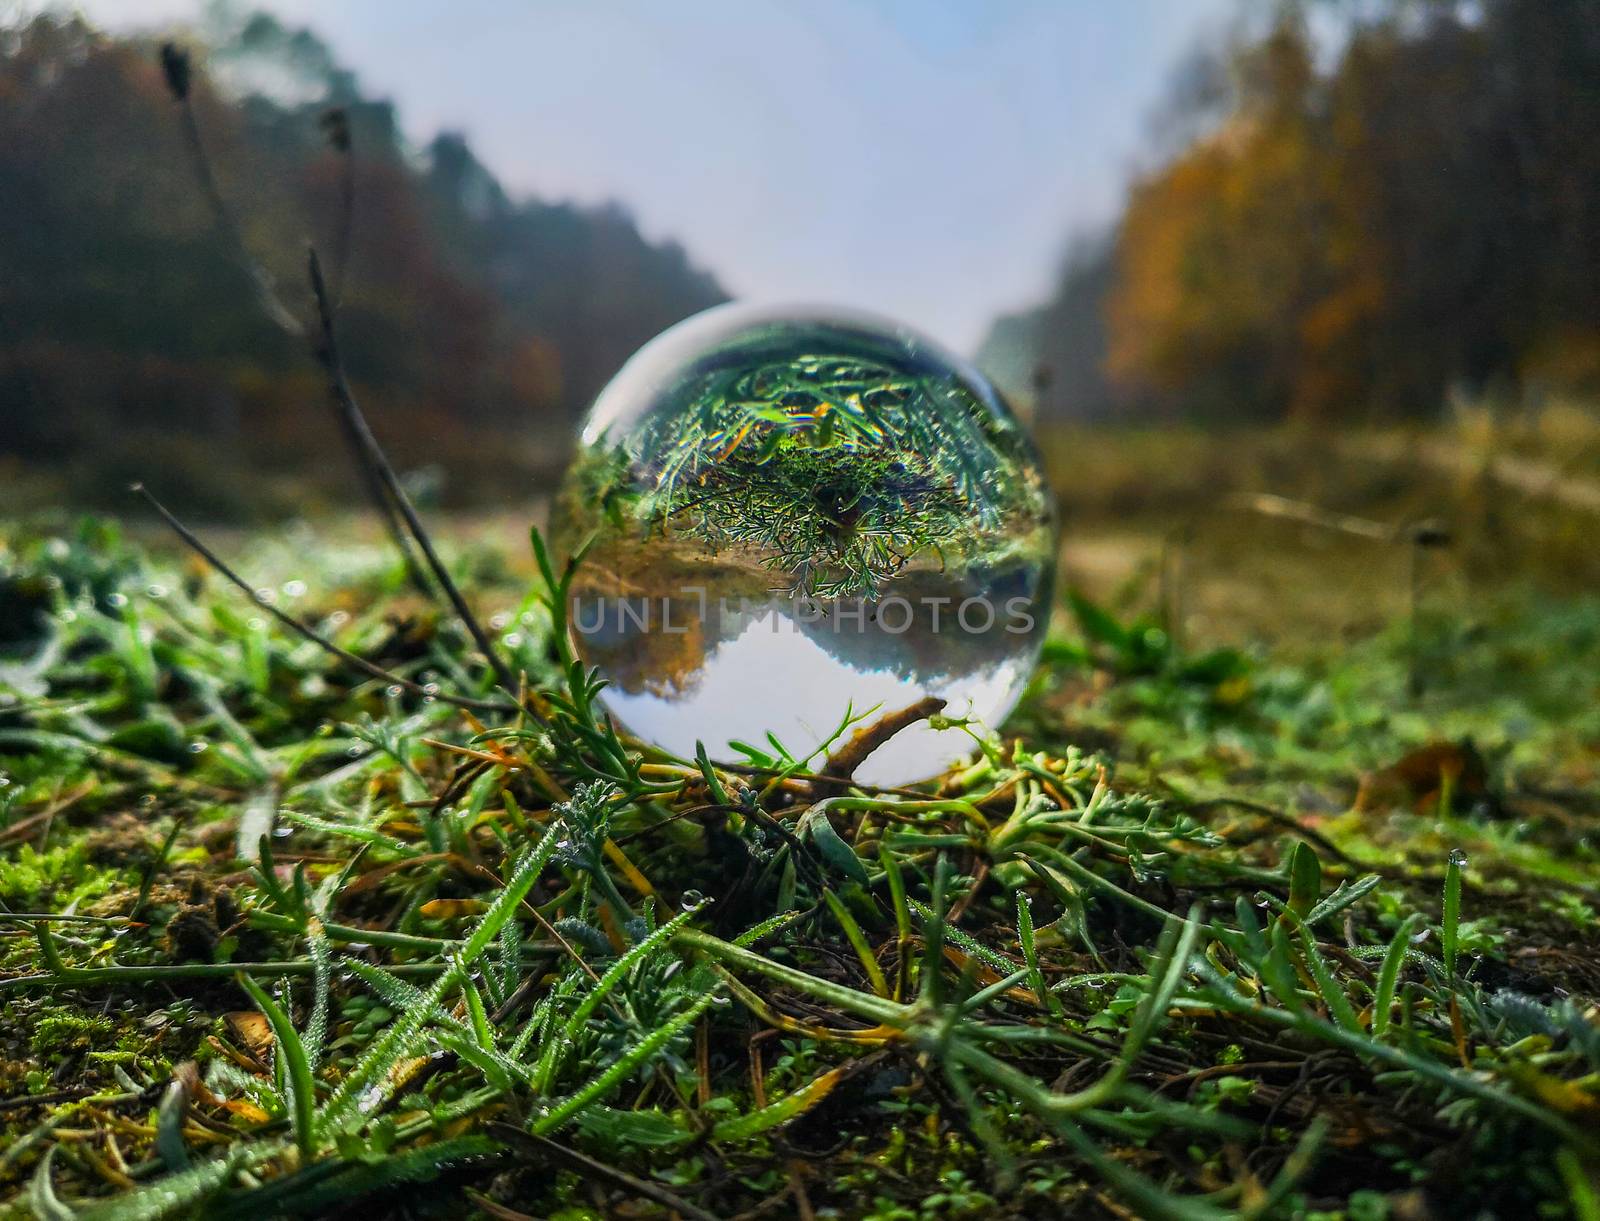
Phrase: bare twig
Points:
(336, 127)
(1269, 505)
(1289, 823)
(327, 352)
(302, 629)
(844, 761)
(176, 66)
(24, 828)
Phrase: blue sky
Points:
(922, 158)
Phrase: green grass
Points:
(281, 940)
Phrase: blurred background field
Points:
(1348, 255)
(1336, 215)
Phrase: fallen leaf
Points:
(451, 909)
(252, 1030)
(1418, 779)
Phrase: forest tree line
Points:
(132, 343)
(1341, 231)
(1356, 233)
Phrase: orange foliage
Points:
(1422, 216)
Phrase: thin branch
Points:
(302, 629)
(336, 126)
(327, 353)
(853, 753)
(1269, 505)
(391, 520)
(1291, 824)
(175, 64)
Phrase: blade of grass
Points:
(1450, 933)
(858, 942)
(1389, 974)
(624, 1066)
(302, 1090)
(391, 1045)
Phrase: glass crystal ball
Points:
(798, 517)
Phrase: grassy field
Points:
(1277, 897)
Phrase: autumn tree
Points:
(1418, 216)
(131, 343)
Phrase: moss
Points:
(64, 1030)
(56, 877)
